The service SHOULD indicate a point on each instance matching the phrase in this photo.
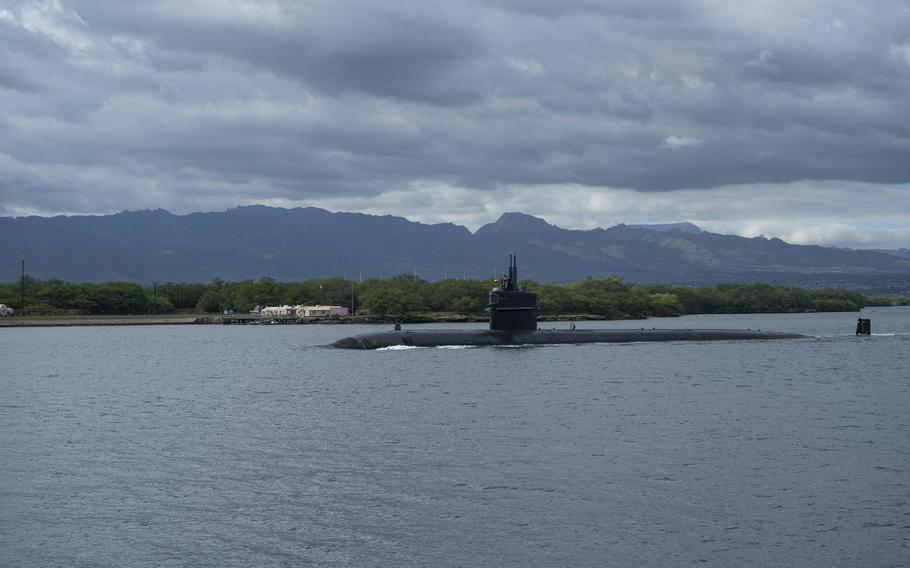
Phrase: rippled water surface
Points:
(258, 446)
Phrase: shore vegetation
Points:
(608, 298)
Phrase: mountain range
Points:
(303, 243)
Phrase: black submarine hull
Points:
(479, 338)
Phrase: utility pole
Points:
(352, 299)
(155, 298)
(22, 291)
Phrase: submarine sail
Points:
(511, 307)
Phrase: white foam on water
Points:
(399, 348)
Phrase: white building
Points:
(278, 311)
(302, 311)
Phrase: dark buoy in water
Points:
(863, 326)
(513, 321)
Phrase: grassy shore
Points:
(63, 321)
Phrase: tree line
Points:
(406, 295)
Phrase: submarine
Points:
(513, 321)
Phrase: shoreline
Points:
(94, 321)
(214, 319)
(210, 319)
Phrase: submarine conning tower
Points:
(512, 308)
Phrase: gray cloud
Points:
(108, 105)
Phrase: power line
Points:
(22, 291)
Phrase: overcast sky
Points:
(787, 118)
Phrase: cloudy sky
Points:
(788, 118)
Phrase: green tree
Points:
(665, 305)
(388, 301)
(835, 305)
(117, 298)
(214, 298)
(458, 295)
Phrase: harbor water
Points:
(260, 446)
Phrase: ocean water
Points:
(260, 446)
